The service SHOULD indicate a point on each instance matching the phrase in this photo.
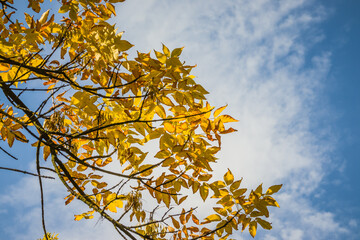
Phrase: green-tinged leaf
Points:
(176, 52)
(235, 185)
(273, 189)
(124, 45)
(258, 190)
(264, 224)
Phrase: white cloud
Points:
(252, 55)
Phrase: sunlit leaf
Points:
(228, 177)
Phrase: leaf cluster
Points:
(96, 112)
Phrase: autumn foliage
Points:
(97, 111)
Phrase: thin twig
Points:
(25, 172)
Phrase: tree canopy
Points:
(100, 116)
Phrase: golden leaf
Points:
(228, 177)
(213, 218)
(169, 127)
(273, 189)
(252, 228)
(219, 110)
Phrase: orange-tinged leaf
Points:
(175, 223)
(4, 67)
(182, 199)
(227, 118)
(169, 127)
(229, 130)
(195, 219)
(111, 8)
(182, 217)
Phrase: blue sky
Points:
(290, 74)
(342, 95)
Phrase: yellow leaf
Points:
(160, 111)
(227, 118)
(44, 17)
(161, 57)
(204, 192)
(219, 110)
(166, 101)
(4, 67)
(140, 128)
(111, 8)
(169, 127)
(213, 218)
(124, 45)
(78, 217)
(46, 152)
(166, 50)
(162, 154)
(252, 228)
(221, 211)
(228, 177)
(273, 189)
(112, 207)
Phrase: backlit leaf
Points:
(273, 189)
(219, 110)
(252, 228)
(228, 177)
(213, 218)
